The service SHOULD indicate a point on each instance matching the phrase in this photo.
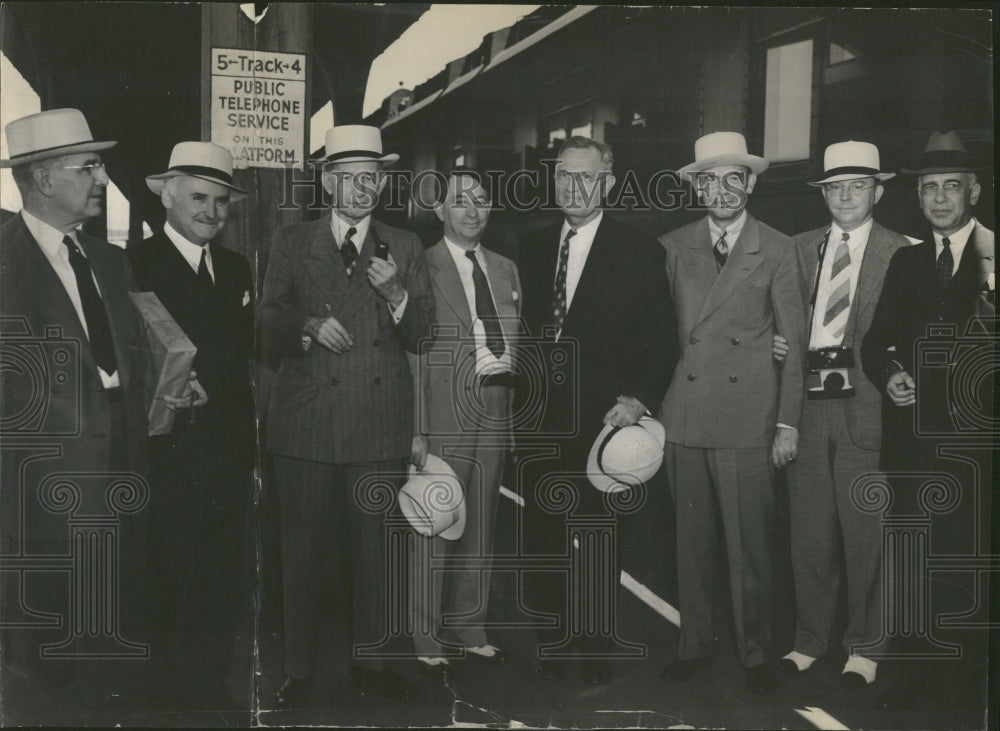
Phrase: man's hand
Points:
(418, 451)
(626, 412)
(900, 388)
(382, 275)
(194, 395)
(779, 348)
(785, 447)
(329, 333)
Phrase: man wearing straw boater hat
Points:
(344, 298)
(928, 350)
(731, 416)
(202, 467)
(844, 265)
(65, 293)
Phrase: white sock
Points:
(432, 661)
(802, 662)
(484, 650)
(862, 666)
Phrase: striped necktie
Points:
(839, 304)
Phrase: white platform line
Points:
(641, 591)
(821, 719)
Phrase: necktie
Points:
(839, 303)
(486, 311)
(559, 306)
(721, 250)
(945, 263)
(348, 252)
(98, 328)
(204, 277)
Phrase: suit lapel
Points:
(325, 270)
(446, 278)
(357, 283)
(874, 264)
(744, 258)
(114, 297)
(593, 279)
(503, 294)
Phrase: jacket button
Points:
(327, 306)
(691, 376)
(692, 340)
(735, 341)
(334, 382)
(378, 381)
(375, 342)
(733, 379)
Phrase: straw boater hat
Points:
(433, 500)
(850, 160)
(354, 143)
(203, 160)
(623, 457)
(722, 148)
(944, 153)
(49, 134)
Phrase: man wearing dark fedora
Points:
(202, 469)
(345, 297)
(64, 298)
(930, 332)
(844, 265)
(731, 416)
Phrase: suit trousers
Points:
(456, 609)
(734, 487)
(829, 531)
(330, 545)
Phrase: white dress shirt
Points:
(486, 362)
(957, 242)
(579, 249)
(190, 250)
(819, 336)
(733, 231)
(50, 241)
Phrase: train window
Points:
(788, 101)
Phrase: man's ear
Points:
(879, 190)
(607, 184)
(439, 210)
(751, 182)
(382, 180)
(42, 178)
(974, 190)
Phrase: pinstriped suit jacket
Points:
(356, 406)
(864, 411)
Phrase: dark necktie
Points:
(559, 305)
(348, 252)
(486, 311)
(945, 263)
(204, 277)
(93, 310)
(721, 250)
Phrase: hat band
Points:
(50, 149)
(600, 450)
(353, 153)
(851, 170)
(203, 171)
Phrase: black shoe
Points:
(384, 682)
(294, 693)
(761, 679)
(681, 670)
(597, 672)
(900, 697)
(497, 658)
(550, 669)
(788, 668)
(437, 672)
(853, 681)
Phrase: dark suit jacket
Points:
(357, 406)
(728, 392)
(51, 394)
(621, 319)
(864, 409)
(221, 328)
(910, 302)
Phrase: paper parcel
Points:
(170, 355)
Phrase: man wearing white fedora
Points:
(203, 467)
(64, 293)
(731, 416)
(345, 297)
(844, 265)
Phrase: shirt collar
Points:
(47, 236)
(858, 238)
(339, 226)
(187, 248)
(957, 239)
(588, 229)
(733, 230)
(458, 252)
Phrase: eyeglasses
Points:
(949, 186)
(854, 187)
(91, 167)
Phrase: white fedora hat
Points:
(355, 143)
(48, 134)
(433, 500)
(722, 148)
(623, 457)
(851, 160)
(204, 160)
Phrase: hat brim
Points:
(74, 149)
(388, 160)
(881, 177)
(756, 164)
(942, 169)
(598, 477)
(437, 466)
(155, 183)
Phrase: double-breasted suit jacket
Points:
(356, 406)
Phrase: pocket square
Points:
(246, 298)
(514, 295)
